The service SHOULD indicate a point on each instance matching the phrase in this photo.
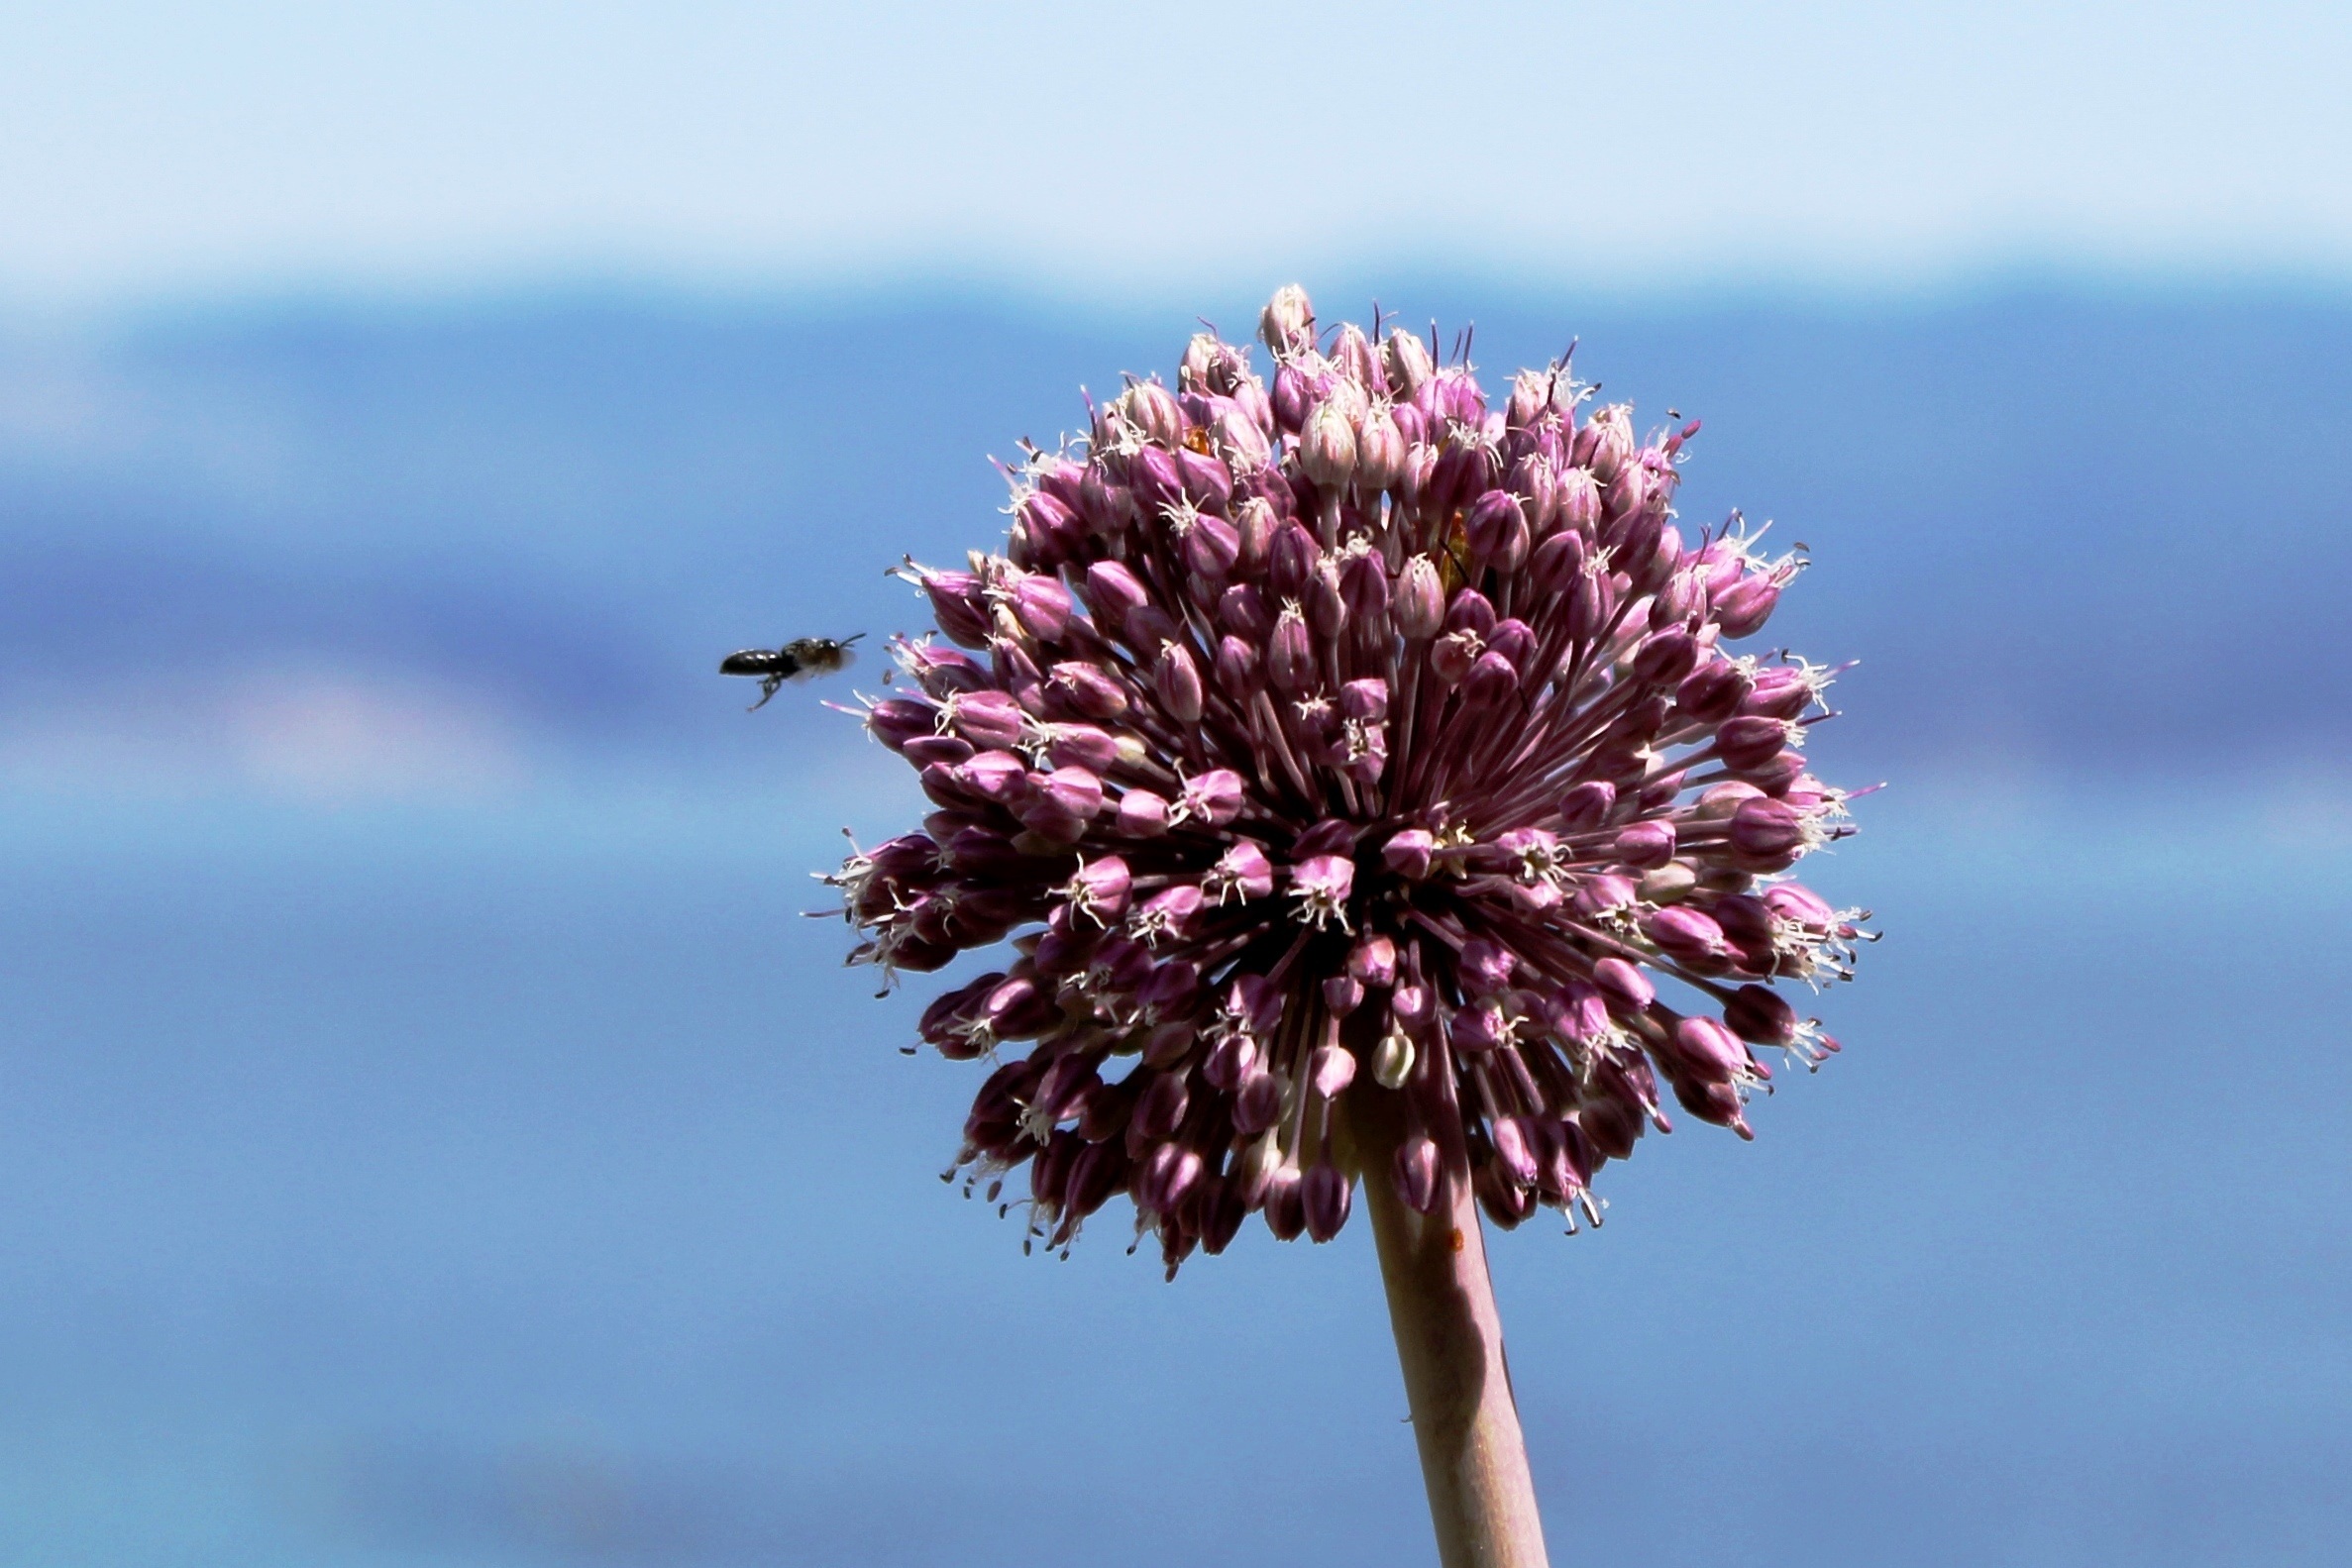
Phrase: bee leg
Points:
(769, 685)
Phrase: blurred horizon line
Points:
(539, 288)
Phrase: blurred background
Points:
(429, 1133)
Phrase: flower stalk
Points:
(1450, 1346)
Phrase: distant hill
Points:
(2099, 535)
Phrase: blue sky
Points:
(162, 150)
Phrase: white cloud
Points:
(306, 734)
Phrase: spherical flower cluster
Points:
(1349, 733)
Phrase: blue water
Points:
(430, 1135)
(526, 1182)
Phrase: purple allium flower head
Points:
(1349, 725)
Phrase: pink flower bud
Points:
(1354, 354)
(1290, 654)
(1718, 1102)
(1051, 529)
(1076, 790)
(1713, 691)
(1514, 640)
(1418, 1169)
(1241, 611)
(1099, 1171)
(1777, 773)
(1578, 1014)
(1017, 1009)
(1240, 875)
(1606, 443)
(1064, 1089)
(1627, 495)
(1452, 655)
(1373, 961)
(1157, 481)
(1795, 902)
(1287, 324)
(1241, 432)
(1160, 1110)
(1470, 612)
(1491, 680)
(1081, 746)
(1411, 1006)
(1239, 672)
(1294, 397)
(1709, 1051)
(1576, 501)
(1419, 605)
(1512, 1153)
(1049, 1171)
(894, 721)
(1475, 1030)
(1327, 448)
(1325, 1195)
(1642, 845)
(1099, 892)
(1327, 610)
(1588, 805)
(1207, 483)
(1761, 1016)
(989, 719)
(1111, 592)
(1229, 1061)
(1743, 611)
(1212, 546)
(1380, 451)
(1684, 933)
(1486, 967)
(1330, 1070)
(1176, 682)
(1781, 692)
(1284, 1209)
(1665, 658)
(1147, 626)
(1142, 814)
(1342, 994)
(1257, 1103)
(1488, 519)
(1366, 700)
(1409, 852)
(1087, 690)
(1749, 741)
(1041, 605)
(1625, 988)
(1170, 913)
(992, 775)
(1764, 828)
(1363, 587)
(1253, 534)
(1603, 896)
(1213, 798)
(1153, 409)
(1407, 360)
(1292, 560)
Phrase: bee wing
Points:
(811, 668)
(819, 655)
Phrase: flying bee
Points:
(795, 661)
